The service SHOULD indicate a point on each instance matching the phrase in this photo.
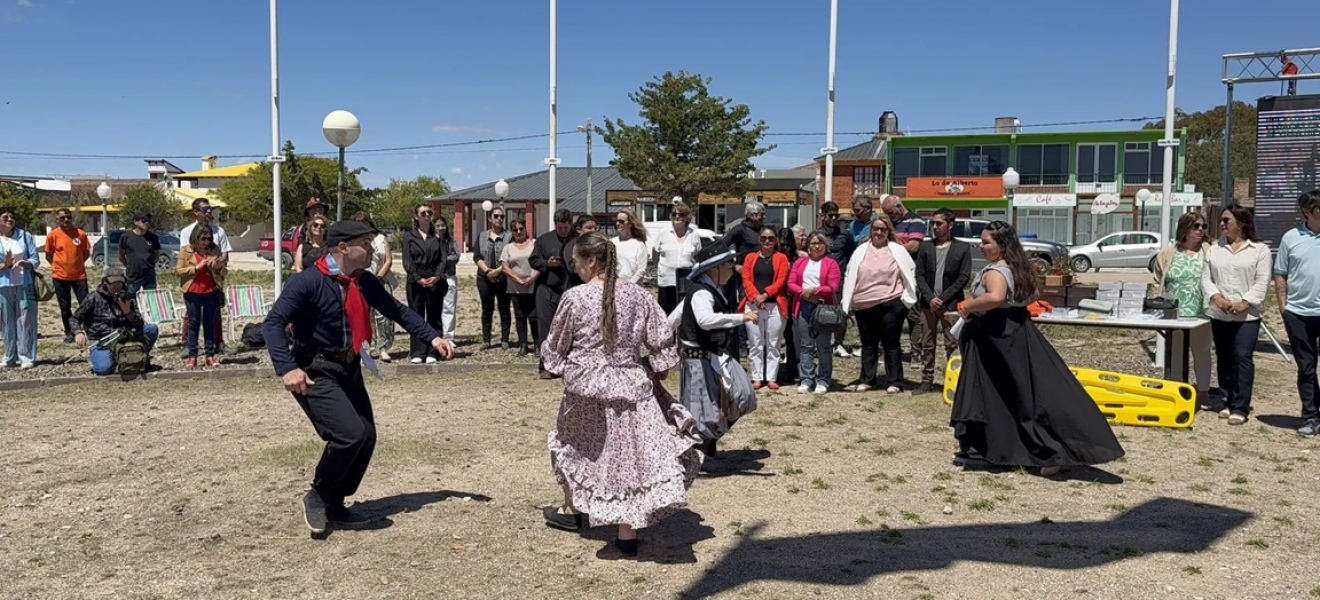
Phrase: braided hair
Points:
(595, 245)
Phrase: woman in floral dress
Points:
(620, 448)
(1178, 270)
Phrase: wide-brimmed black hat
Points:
(347, 231)
(708, 257)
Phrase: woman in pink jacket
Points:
(814, 280)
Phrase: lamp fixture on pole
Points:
(103, 192)
(341, 129)
(502, 192)
(1011, 180)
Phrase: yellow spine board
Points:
(1122, 398)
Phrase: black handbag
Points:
(828, 318)
(1168, 307)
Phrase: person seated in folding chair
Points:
(121, 338)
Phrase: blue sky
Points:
(182, 79)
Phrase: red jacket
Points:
(778, 290)
(831, 281)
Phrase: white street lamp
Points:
(1143, 198)
(501, 191)
(103, 192)
(341, 129)
(1011, 179)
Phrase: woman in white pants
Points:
(448, 310)
(765, 290)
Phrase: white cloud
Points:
(26, 3)
(456, 170)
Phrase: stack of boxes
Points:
(1128, 299)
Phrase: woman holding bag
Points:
(814, 281)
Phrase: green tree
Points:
(1205, 146)
(689, 141)
(24, 202)
(394, 204)
(251, 198)
(166, 212)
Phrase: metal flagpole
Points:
(829, 148)
(1169, 143)
(275, 157)
(552, 161)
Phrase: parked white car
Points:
(1123, 249)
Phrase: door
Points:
(1137, 249)
(1109, 251)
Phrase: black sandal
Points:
(626, 547)
(558, 520)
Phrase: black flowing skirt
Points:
(1018, 404)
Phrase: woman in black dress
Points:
(1017, 403)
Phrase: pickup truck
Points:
(266, 248)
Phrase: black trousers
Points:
(1304, 338)
(65, 291)
(667, 296)
(547, 302)
(1235, 348)
(430, 304)
(524, 311)
(881, 326)
(493, 293)
(339, 408)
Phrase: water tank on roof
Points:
(889, 122)
(1007, 125)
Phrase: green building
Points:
(1061, 176)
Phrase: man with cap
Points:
(551, 255)
(109, 309)
(139, 250)
(328, 311)
(706, 322)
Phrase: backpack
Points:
(252, 337)
(131, 356)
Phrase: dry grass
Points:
(189, 490)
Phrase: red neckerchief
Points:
(355, 305)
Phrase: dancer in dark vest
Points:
(713, 386)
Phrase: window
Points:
(1097, 163)
(866, 180)
(1043, 164)
(781, 215)
(712, 217)
(934, 162)
(980, 160)
(1143, 163)
(907, 163)
(1052, 224)
(650, 211)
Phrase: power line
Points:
(413, 149)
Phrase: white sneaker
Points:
(822, 388)
(804, 388)
(416, 360)
(858, 352)
(841, 352)
(430, 360)
(25, 366)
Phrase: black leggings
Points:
(524, 311)
(881, 329)
(429, 303)
(492, 292)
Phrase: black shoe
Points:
(970, 459)
(546, 375)
(709, 448)
(523, 350)
(504, 345)
(558, 520)
(626, 547)
(314, 512)
(925, 388)
(342, 515)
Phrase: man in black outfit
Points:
(548, 257)
(139, 251)
(944, 268)
(329, 308)
(841, 249)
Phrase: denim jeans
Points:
(102, 358)
(18, 313)
(1235, 348)
(203, 313)
(147, 282)
(1304, 338)
(815, 356)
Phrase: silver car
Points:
(1124, 249)
(1041, 252)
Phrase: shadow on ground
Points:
(735, 462)
(853, 558)
(669, 542)
(412, 502)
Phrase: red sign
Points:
(955, 187)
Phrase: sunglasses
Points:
(317, 226)
(830, 215)
(497, 216)
(876, 230)
(769, 238)
(519, 229)
(1225, 220)
(622, 221)
(425, 213)
(1199, 226)
(204, 209)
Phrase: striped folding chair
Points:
(158, 307)
(244, 302)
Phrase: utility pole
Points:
(587, 130)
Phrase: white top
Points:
(217, 234)
(703, 308)
(14, 245)
(811, 275)
(674, 255)
(1244, 275)
(632, 258)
